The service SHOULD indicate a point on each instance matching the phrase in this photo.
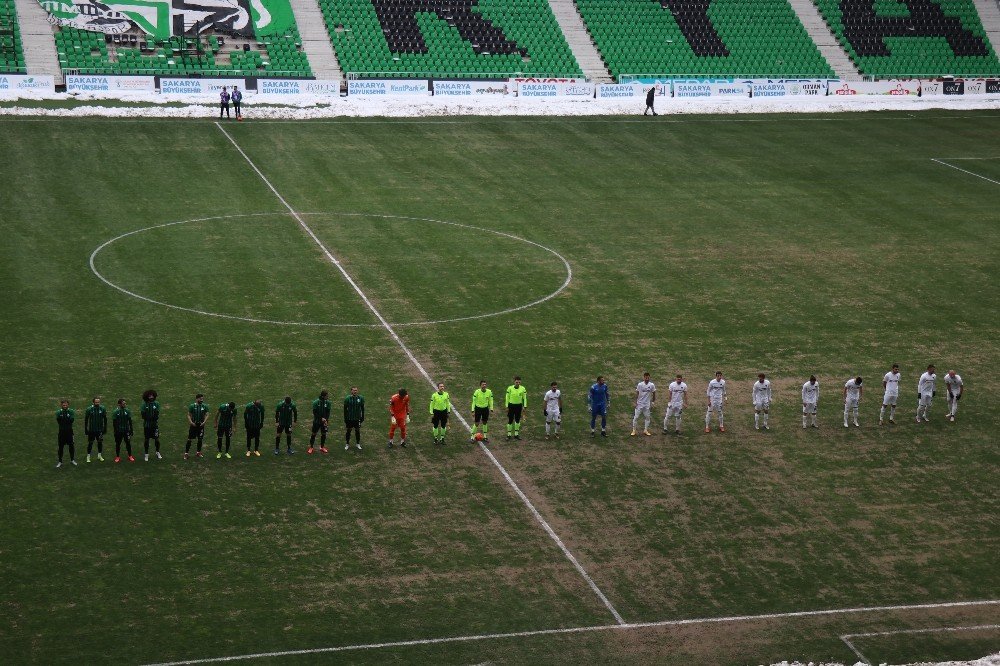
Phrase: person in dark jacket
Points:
(224, 102)
(237, 97)
(650, 94)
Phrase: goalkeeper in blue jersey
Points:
(599, 399)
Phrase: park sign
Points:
(162, 19)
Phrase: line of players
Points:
(761, 394)
(96, 419)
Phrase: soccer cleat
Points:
(517, 437)
(158, 456)
(358, 444)
(757, 427)
(815, 425)
(604, 433)
(100, 458)
(707, 429)
(402, 443)
(765, 427)
(228, 456)
(256, 452)
(58, 465)
(593, 433)
(309, 451)
(804, 426)
(646, 433)
(199, 454)
(508, 438)
(892, 421)
(73, 463)
(845, 425)
(347, 446)
(291, 451)
(277, 451)
(677, 432)
(632, 434)
(88, 457)
(857, 425)
(218, 456)
(145, 457)
(186, 455)
(880, 421)
(118, 459)
(324, 449)
(389, 446)
(248, 453)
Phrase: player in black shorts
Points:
(197, 418)
(150, 412)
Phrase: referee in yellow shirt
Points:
(516, 401)
(482, 405)
(440, 408)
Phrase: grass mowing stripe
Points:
(971, 173)
(609, 627)
(413, 359)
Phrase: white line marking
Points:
(937, 630)
(539, 301)
(954, 159)
(580, 630)
(971, 173)
(413, 359)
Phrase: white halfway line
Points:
(413, 359)
(971, 173)
(938, 630)
(580, 630)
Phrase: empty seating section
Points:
(912, 38)
(90, 52)
(11, 53)
(720, 38)
(448, 38)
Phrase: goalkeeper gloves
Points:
(407, 418)
(958, 397)
(393, 420)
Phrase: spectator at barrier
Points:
(650, 94)
(237, 97)
(224, 102)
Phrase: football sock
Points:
(557, 427)
(510, 429)
(517, 427)
(486, 429)
(708, 417)
(288, 440)
(677, 421)
(892, 412)
(546, 427)
(187, 446)
(881, 413)
(764, 420)
(218, 444)
(803, 420)
(756, 419)
(157, 442)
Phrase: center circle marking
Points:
(254, 320)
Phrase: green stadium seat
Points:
(11, 49)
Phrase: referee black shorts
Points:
(514, 413)
(482, 414)
(439, 419)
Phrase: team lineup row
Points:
(96, 419)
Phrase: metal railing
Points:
(179, 74)
(351, 76)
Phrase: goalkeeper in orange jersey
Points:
(399, 416)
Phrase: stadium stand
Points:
(88, 52)
(448, 38)
(912, 38)
(724, 38)
(11, 51)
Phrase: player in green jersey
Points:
(121, 423)
(197, 416)
(321, 421)
(285, 417)
(440, 407)
(95, 424)
(150, 413)
(65, 417)
(482, 405)
(354, 416)
(253, 423)
(516, 401)
(225, 424)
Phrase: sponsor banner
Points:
(20, 83)
(471, 88)
(800, 88)
(388, 87)
(940, 88)
(992, 87)
(896, 88)
(187, 86)
(109, 84)
(518, 80)
(293, 87)
(162, 19)
(693, 90)
(621, 91)
(581, 90)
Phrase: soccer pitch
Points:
(192, 257)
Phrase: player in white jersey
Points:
(926, 393)
(955, 389)
(853, 390)
(678, 392)
(810, 398)
(645, 398)
(716, 402)
(761, 401)
(891, 385)
(552, 406)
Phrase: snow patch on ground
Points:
(991, 660)
(309, 107)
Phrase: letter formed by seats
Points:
(399, 23)
(696, 26)
(867, 31)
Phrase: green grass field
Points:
(826, 244)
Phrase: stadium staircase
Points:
(696, 38)
(36, 40)
(448, 38)
(572, 26)
(825, 40)
(88, 52)
(912, 38)
(989, 13)
(316, 41)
